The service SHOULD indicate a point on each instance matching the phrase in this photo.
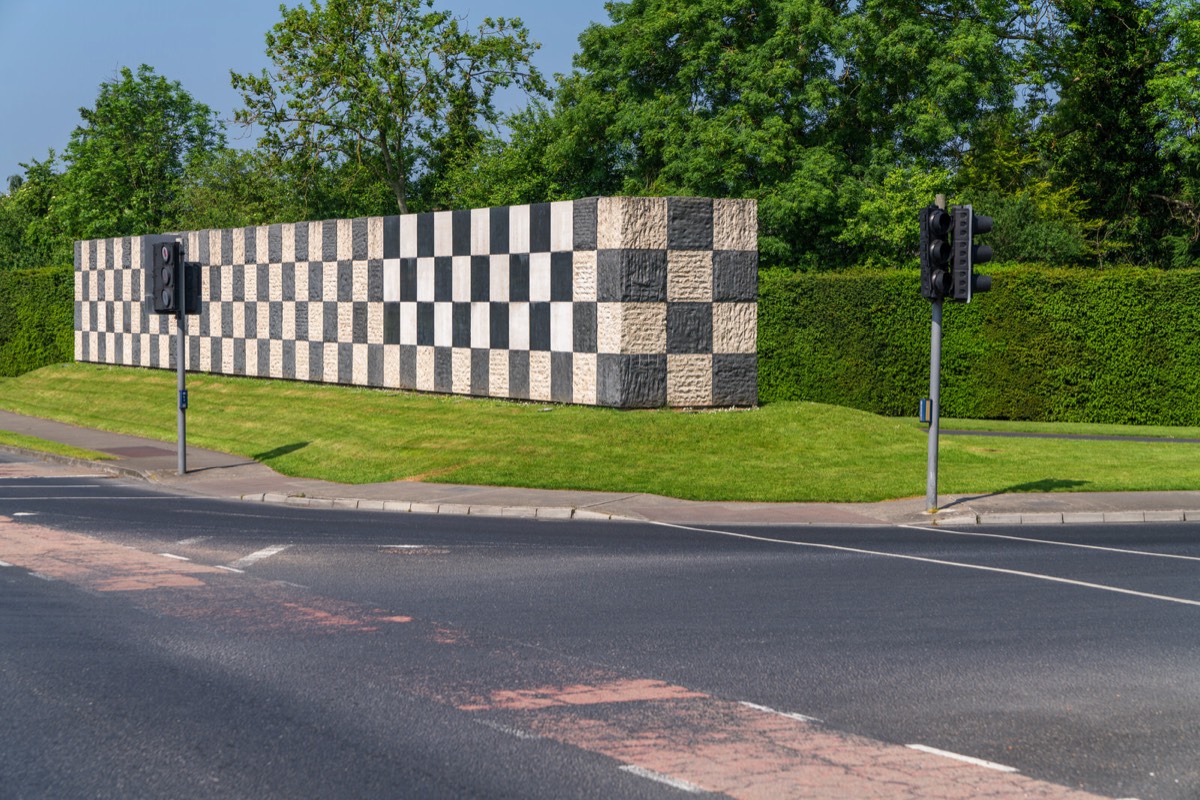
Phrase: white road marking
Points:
(232, 569)
(940, 562)
(192, 541)
(1120, 550)
(5, 564)
(979, 762)
(24, 513)
(658, 777)
(517, 732)
(90, 497)
(172, 555)
(259, 555)
(788, 714)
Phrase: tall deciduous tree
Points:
(795, 102)
(126, 161)
(393, 85)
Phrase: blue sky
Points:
(54, 54)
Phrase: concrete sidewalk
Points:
(213, 474)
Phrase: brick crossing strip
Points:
(654, 727)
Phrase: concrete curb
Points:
(1066, 518)
(444, 509)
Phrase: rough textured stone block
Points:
(735, 328)
(735, 225)
(689, 380)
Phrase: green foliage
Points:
(125, 164)
(792, 102)
(1115, 346)
(30, 235)
(390, 85)
(36, 318)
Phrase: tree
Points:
(798, 103)
(125, 163)
(30, 234)
(390, 85)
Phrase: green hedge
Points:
(1115, 346)
(37, 318)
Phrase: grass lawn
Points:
(44, 446)
(777, 452)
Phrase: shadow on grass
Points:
(282, 450)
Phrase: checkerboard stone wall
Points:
(614, 301)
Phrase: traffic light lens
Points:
(166, 253)
(939, 222)
(168, 276)
(939, 252)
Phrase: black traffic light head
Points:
(967, 254)
(163, 258)
(935, 253)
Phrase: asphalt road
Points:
(319, 653)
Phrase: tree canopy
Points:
(1075, 123)
(392, 85)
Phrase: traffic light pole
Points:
(180, 364)
(935, 381)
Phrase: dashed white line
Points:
(940, 562)
(788, 714)
(658, 777)
(25, 513)
(1120, 550)
(192, 541)
(172, 555)
(979, 762)
(231, 569)
(259, 555)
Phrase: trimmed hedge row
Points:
(37, 318)
(1062, 345)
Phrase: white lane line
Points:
(788, 714)
(172, 555)
(259, 555)
(91, 497)
(1120, 550)
(517, 732)
(940, 562)
(192, 541)
(24, 513)
(5, 564)
(979, 762)
(232, 569)
(658, 777)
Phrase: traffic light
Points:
(935, 253)
(165, 260)
(967, 254)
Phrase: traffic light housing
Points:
(164, 259)
(967, 224)
(173, 284)
(935, 253)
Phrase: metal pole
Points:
(180, 363)
(935, 375)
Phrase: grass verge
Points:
(777, 452)
(45, 446)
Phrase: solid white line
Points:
(788, 714)
(193, 540)
(517, 732)
(177, 558)
(24, 513)
(979, 762)
(939, 562)
(5, 564)
(674, 783)
(259, 555)
(232, 569)
(1121, 550)
(89, 497)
